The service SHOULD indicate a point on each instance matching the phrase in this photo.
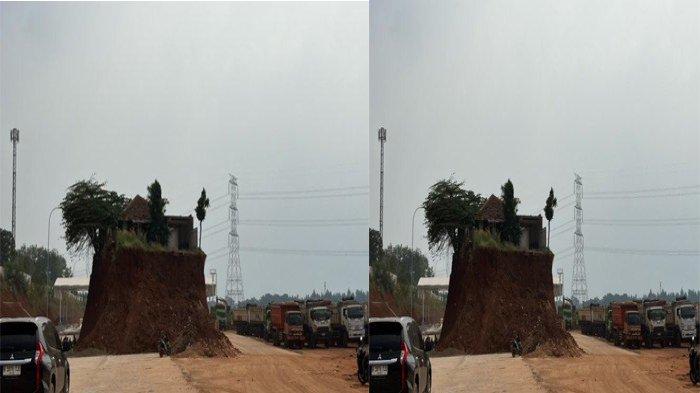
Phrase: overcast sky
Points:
(535, 91)
(187, 93)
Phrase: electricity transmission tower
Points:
(234, 278)
(382, 138)
(14, 137)
(579, 287)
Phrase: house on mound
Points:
(491, 218)
(136, 217)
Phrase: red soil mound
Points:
(382, 304)
(495, 295)
(137, 295)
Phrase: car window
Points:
(415, 336)
(49, 336)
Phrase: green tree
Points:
(89, 213)
(7, 246)
(33, 261)
(400, 260)
(511, 225)
(201, 211)
(450, 214)
(549, 211)
(375, 246)
(158, 231)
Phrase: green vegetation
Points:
(7, 246)
(90, 213)
(375, 246)
(511, 227)
(549, 211)
(130, 240)
(483, 238)
(360, 296)
(450, 214)
(201, 211)
(158, 227)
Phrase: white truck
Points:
(317, 321)
(653, 313)
(680, 321)
(348, 322)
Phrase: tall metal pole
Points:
(234, 277)
(382, 138)
(413, 224)
(14, 137)
(579, 286)
(48, 260)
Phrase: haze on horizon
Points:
(535, 92)
(275, 94)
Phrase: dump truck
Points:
(222, 313)
(565, 310)
(624, 325)
(317, 321)
(239, 320)
(286, 325)
(591, 320)
(680, 321)
(653, 313)
(255, 319)
(347, 322)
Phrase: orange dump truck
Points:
(286, 324)
(626, 324)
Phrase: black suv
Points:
(398, 360)
(31, 358)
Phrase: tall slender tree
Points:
(158, 230)
(549, 212)
(511, 225)
(201, 211)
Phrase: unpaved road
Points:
(127, 373)
(482, 373)
(262, 367)
(604, 368)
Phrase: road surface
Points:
(483, 373)
(606, 368)
(262, 367)
(127, 373)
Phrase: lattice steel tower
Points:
(234, 278)
(14, 137)
(382, 138)
(579, 287)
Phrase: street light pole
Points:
(413, 224)
(48, 264)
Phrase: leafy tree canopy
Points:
(7, 246)
(450, 212)
(33, 260)
(158, 231)
(375, 246)
(89, 213)
(511, 225)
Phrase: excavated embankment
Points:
(136, 296)
(494, 296)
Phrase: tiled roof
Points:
(137, 210)
(491, 210)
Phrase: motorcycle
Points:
(363, 361)
(516, 347)
(694, 360)
(164, 347)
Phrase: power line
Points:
(649, 224)
(632, 220)
(645, 196)
(562, 225)
(340, 253)
(306, 196)
(307, 191)
(611, 250)
(644, 190)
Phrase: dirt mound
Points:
(382, 304)
(137, 295)
(495, 295)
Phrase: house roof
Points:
(137, 210)
(491, 210)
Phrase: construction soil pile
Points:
(496, 295)
(137, 295)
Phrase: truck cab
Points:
(286, 323)
(680, 321)
(317, 322)
(625, 324)
(653, 322)
(348, 323)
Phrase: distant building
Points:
(136, 217)
(491, 217)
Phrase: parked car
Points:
(398, 360)
(31, 357)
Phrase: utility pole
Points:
(382, 139)
(234, 277)
(14, 137)
(560, 274)
(579, 287)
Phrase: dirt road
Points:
(483, 373)
(262, 367)
(606, 368)
(127, 373)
